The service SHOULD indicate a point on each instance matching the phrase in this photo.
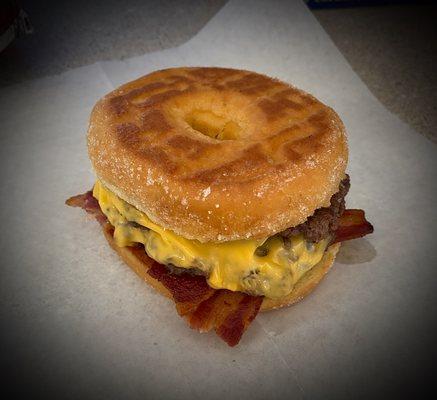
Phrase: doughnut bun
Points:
(218, 154)
(139, 262)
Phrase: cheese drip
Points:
(270, 271)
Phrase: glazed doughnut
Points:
(218, 154)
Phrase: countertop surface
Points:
(392, 48)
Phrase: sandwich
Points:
(223, 189)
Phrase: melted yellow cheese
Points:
(231, 265)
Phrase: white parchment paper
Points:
(79, 323)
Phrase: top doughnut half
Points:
(218, 154)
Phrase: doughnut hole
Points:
(213, 125)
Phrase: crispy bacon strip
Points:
(204, 308)
(188, 291)
(228, 313)
(352, 225)
(89, 203)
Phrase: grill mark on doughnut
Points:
(149, 88)
(193, 148)
(294, 132)
(295, 95)
(128, 133)
(277, 140)
(308, 100)
(159, 98)
(130, 137)
(218, 86)
(255, 89)
(180, 79)
(155, 121)
(212, 73)
(118, 105)
(308, 144)
(250, 160)
(159, 157)
(251, 84)
(318, 125)
(319, 121)
(276, 109)
(290, 152)
(285, 93)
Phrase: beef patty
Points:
(324, 221)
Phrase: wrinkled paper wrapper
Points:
(79, 323)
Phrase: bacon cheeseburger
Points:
(223, 189)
